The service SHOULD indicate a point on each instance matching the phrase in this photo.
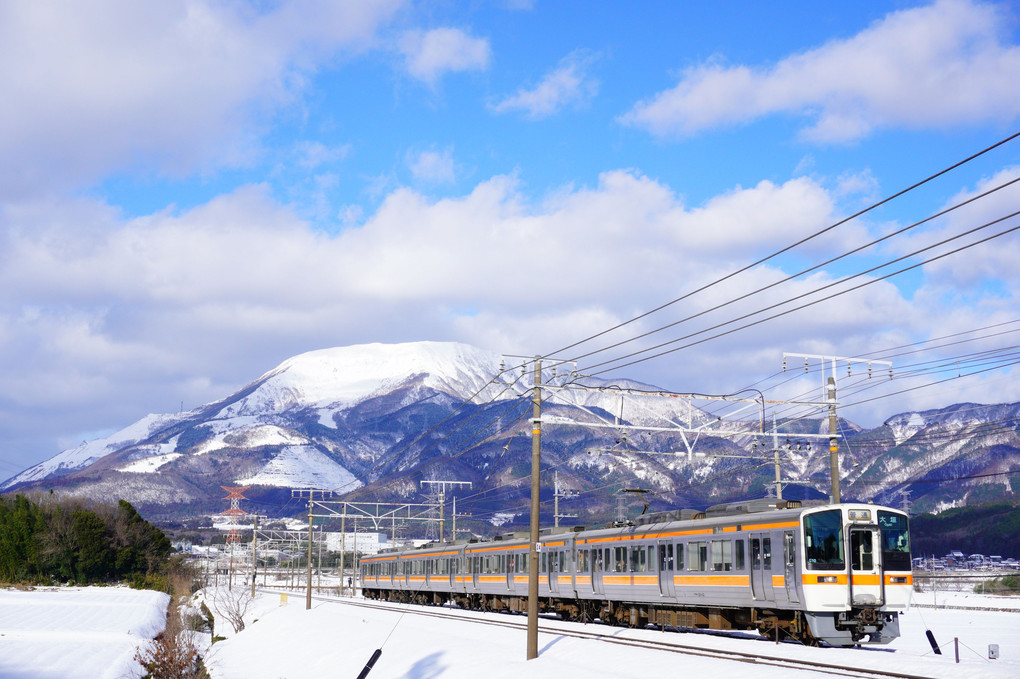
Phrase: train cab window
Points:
(895, 541)
(697, 556)
(637, 560)
(766, 553)
(823, 541)
(722, 555)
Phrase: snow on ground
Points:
(335, 638)
(94, 632)
(77, 632)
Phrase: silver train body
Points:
(840, 574)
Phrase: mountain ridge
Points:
(340, 418)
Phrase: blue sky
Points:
(194, 191)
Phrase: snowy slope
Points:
(90, 451)
(345, 376)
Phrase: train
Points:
(838, 574)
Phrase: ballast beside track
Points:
(550, 626)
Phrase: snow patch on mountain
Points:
(302, 467)
(150, 464)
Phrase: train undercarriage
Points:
(770, 623)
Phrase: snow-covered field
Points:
(93, 632)
(76, 632)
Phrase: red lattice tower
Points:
(235, 494)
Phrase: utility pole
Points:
(536, 459)
(556, 501)
(833, 441)
(254, 552)
(775, 452)
(830, 397)
(343, 547)
(308, 590)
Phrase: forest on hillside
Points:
(46, 539)
(981, 529)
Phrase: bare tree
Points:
(232, 604)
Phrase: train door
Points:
(761, 567)
(666, 586)
(597, 565)
(790, 570)
(865, 567)
(555, 560)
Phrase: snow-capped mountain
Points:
(391, 415)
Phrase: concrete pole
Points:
(343, 546)
(254, 553)
(833, 444)
(308, 589)
(536, 455)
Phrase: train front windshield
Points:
(823, 541)
(895, 541)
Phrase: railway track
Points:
(551, 626)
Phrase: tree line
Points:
(46, 539)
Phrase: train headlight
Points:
(827, 579)
(898, 579)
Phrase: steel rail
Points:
(451, 613)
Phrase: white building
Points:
(366, 543)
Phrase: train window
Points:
(582, 560)
(679, 557)
(637, 560)
(738, 555)
(722, 555)
(823, 541)
(788, 548)
(895, 541)
(862, 555)
(563, 562)
(766, 553)
(651, 558)
(620, 560)
(697, 556)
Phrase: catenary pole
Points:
(536, 449)
(308, 590)
(833, 440)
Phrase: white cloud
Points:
(184, 306)
(430, 54)
(177, 85)
(938, 66)
(313, 154)
(567, 84)
(434, 167)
